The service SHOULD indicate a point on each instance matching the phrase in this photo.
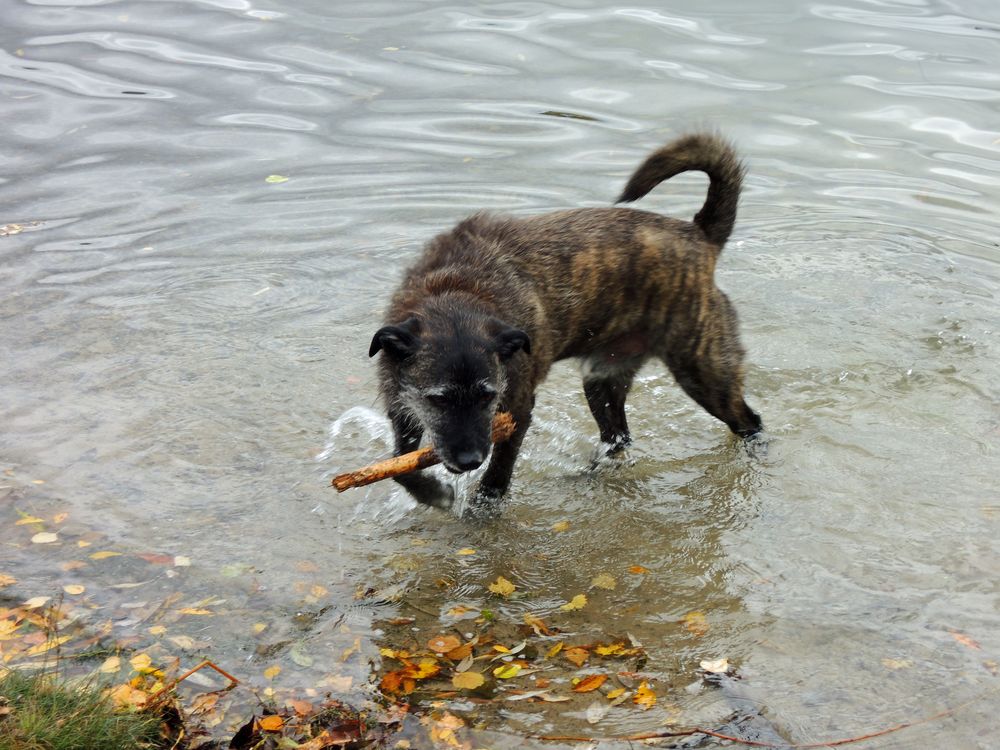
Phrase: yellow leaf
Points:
(272, 723)
(157, 630)
(104, 555)
(467, 680)
(6, 580)
(272, 672)
(554, 650)
(74, 589)
(577, 602)
(603, 581)
(45, 537)
(537, 624)
(426, 668)
(318, 591)
(506, 671)
(502, 587)
(141, 663)
(28, 519)
(897, 663)
(111, 665)
(589, 683)
(259, 627)
(560, 526)
(35, 602)
(644, 696)
(275, 178)
(466, 551)
(81, 543)
(612, 694)
(50, 644)
(696, 623)
(195, 611)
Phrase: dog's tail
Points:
(703, 153)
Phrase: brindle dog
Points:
(478, 321)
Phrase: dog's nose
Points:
(469, 460)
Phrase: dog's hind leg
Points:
(606, 384)
(708, 365)
(424, 488)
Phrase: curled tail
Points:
(703, 153)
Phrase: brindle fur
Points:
(476, 324)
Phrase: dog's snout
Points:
(469, 460)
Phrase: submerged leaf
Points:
(506, 671)
(603, 581)
(577, 602)
(502, 587)
(644, 696)
(589, 683)
(468, 680)
(441, 644)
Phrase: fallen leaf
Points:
(638, 570)
(696, 623)
(466, 551)
(596, 711)
(45, 537)
(644, 696)
(35, 602)
(965, 640)
(24, 520)
(157, 630)
(560, 526)
(180, 561)
(81, 543)
(259, 627)
(715, 666)
(185, 642)
(74, 589)
(537, 624)
(60, 517)
(141, 662)
(272, 723)
(603, 581)
(462, 652)
(589, 683)
(576, 655)
(275, 178)
(48, 645)
(502, 587)
(612, 694)
(468, 680)
(195, 611)
(272, 672)
(6, 580)
(111, 665)
(554, 650)
(896, 663)
(104, 555)
(506, 671)
(441, 644)
(577, 602)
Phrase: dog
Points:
(477, 322)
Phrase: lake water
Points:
(185, 333)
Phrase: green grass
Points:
(48, 715)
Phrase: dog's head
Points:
(451, 375)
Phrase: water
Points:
(180, 335)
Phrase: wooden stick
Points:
(503, 428)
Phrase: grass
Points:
(37, 712)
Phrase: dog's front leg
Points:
(423, 487)
(496, 478)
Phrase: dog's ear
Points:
(509, 341)
(399, 342)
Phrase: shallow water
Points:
(185, 342)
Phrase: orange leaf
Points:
(441, 644)
(457, 654)
(965, 640)
(638, 570)
(576, 655)
(589, 683)
(272, 723)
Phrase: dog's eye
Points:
(438, 399)
(486, 397)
